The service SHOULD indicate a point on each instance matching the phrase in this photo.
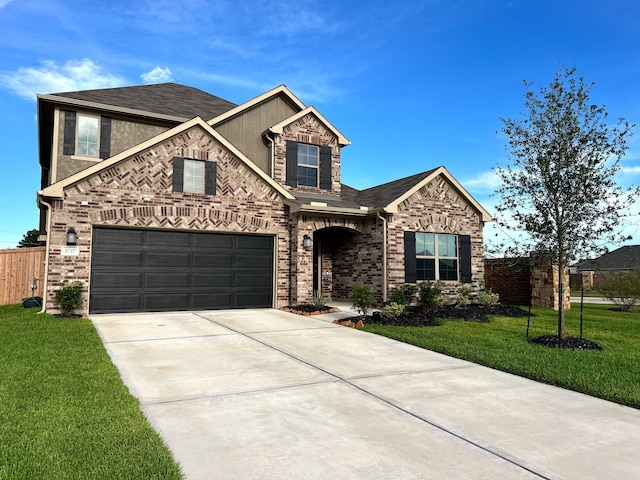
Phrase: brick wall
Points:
(137, 192)
(510, 279)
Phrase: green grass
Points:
(64, 411)
(612, 374)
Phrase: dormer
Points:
(307, 153)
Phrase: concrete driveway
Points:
(264, 394)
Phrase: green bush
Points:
(362, 298)
(393, 309)
(623, 289)
(403, 294)
(488, 298)
(431, 295)
(69, 297)
(464, 296)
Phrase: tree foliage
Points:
(30, 239)
(560, 186)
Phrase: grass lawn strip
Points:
(611, 374)
(65, 411)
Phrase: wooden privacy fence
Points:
(18, 268)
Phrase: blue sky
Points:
(413, 85)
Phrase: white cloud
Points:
(157, 75)
(482, 182)
(73, 75)
(4, 3)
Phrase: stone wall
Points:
(545, 282)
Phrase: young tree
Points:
(560, 188)
(30, 239)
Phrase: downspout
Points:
(46, 258)
(271, 152)
(384, 257)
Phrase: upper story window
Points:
(87, 136)
(193, 176)
(436, 256)
(308, 163)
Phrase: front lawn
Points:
(612, 374)
(65, 411)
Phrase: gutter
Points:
(384, 257)
(46, 258)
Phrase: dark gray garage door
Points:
(148, 270)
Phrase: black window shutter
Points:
(465, 258)
(210, 172)
(292, 164)
(105, 137)
(178, 174)
(69, 146)
(410, 267)
(325, 168)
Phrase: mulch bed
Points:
(308, 309)
(471, 313)
(570, 343)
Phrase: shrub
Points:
(623, 289)
(393, 309)
(69, 297)
(488, 298)
(318, 299)
(362, 298)
(431, 295)
(464, 296)
(403, 294)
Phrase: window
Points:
(308, 165)
(87, 136)
(194, 176)
(432, 256)
(436, 257)
(308, 162)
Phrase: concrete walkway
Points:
(264, 394)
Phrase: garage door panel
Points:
(213, 280)
(117, 258)
(119, 280)
(167, 259)
(122, 302)
(145, 270)
(167, 280)
(214, 242)
(167, 240)
(219, 260)
(166, 301)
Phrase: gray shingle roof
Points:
(623, 258)
(163, 98)
(375, 197)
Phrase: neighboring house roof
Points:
(623, 258)
(165, 100)
(56, 190)
(385, 197)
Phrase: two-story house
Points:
(164, 197)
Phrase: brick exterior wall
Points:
(435, 208)
(138, 193)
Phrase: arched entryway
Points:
(333, 255)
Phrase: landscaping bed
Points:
(309, 309)
(470, 313)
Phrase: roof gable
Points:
(281, 90)
(164, 100)
(56, 190)
(342, 140)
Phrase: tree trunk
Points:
(560, 301)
